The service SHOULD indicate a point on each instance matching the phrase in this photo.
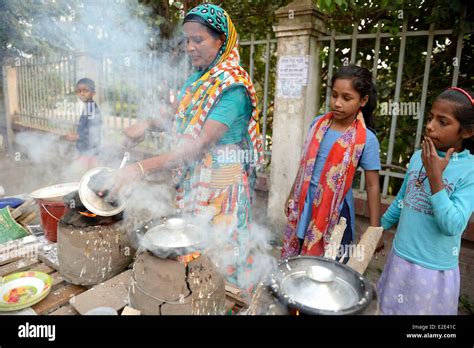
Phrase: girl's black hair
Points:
(216, 34)
(362, 82)
(463, 111)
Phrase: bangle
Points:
(141, 169)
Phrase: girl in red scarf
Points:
(338, 142)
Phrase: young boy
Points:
(89, 129)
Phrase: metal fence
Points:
(129, 87)
(46, 89)
(269, 45)
(333, 39)
(138, 85)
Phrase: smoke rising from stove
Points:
(117, 43)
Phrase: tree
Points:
(24, 25)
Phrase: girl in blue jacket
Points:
(432, 209)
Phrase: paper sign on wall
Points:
(292, 76)
(294, 68)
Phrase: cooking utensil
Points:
(92, 201)
(330, 288)
(124, 159)
(174, 237)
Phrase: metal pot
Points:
(174, 237)
(337, 290)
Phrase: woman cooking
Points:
(214, 123)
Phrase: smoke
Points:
(243, 255)
(111, 43)
(112, 46)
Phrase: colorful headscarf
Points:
(199, 98)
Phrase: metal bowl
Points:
(338, 290)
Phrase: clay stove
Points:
(185, 285)
(91, 248)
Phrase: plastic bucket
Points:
(50, 213)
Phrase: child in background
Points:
(337, 143)
(88, 135)
(432, 209)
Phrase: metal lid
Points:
(316, 285)
(174, 233)
(332, 296)
(92, 201)
(55, 192)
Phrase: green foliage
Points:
(25, 24)
(391, 14)
(466, 303)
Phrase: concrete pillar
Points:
(299, 25)
(11, 102)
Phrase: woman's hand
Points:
(135, 134)
(120, 181)
(434, 164)
(71, 137)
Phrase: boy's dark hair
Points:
(463, 111)
(88, 82)
(362, 82)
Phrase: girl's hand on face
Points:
(434, 164)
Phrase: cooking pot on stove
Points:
(170, 238)
(321, 286)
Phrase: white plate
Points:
(34, 282)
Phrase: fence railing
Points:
(404, 35)
(46, 91)
(137, 85)
(270, 47)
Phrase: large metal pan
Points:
(336, 290)
(171, 238)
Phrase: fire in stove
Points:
(85, 213)
(185, 259)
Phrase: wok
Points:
(171, 238)
(344, 292)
